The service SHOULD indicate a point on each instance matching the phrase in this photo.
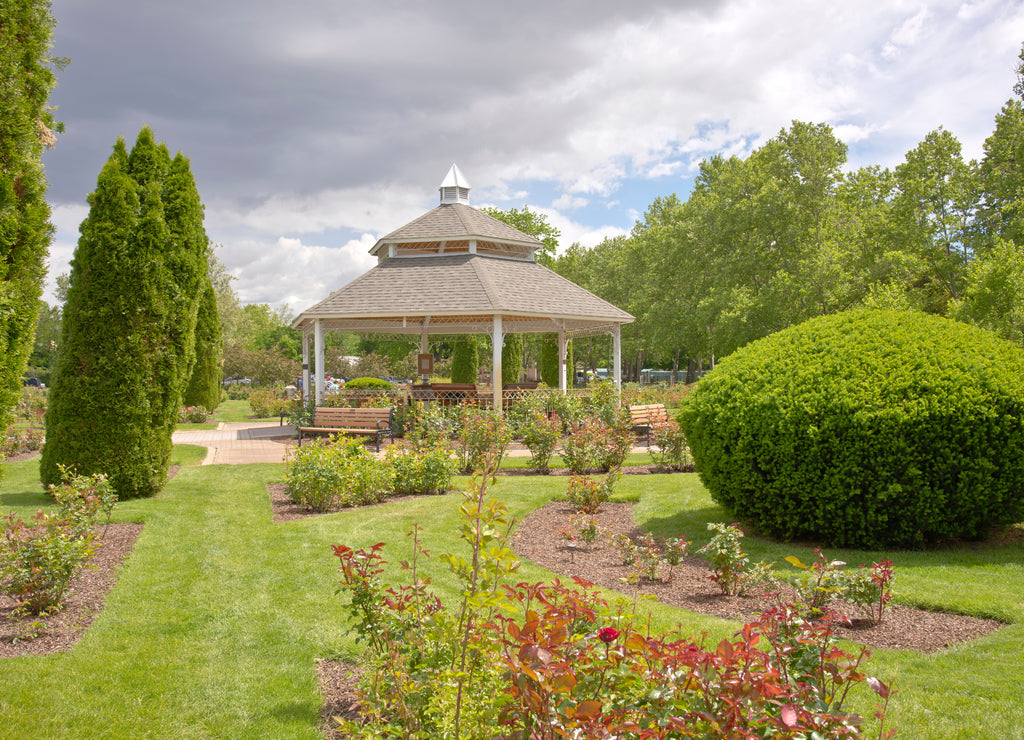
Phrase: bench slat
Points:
(332, 420)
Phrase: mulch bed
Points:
(22, 456)
(903, 627)
(58, 632)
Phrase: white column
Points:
(318, 349)
(561, 362)
(307, 396)
(617, 355)
(496, 346)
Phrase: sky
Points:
(316, 127)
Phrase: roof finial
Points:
(455, 187)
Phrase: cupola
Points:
(455, 187)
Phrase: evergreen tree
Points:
(549, 361)
(26, 30)
(464, 360)
(128, 335)
(204, 387)
(512, 359)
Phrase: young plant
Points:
(541, 435)
(39, 561)
(669, 449)
(732, 570)
(869, 589)
(586, 495)
(483, 432)
(817, 583)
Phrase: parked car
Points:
(231, 381)
(34, 382)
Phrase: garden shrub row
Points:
(339, 472)
(866, 429)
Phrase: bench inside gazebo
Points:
(453, 271)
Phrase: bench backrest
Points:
(365, 418)
(652, 413)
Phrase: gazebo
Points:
(457, 270)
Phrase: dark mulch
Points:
(22, 456)
(903, 627)
(58, 632)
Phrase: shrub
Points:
(357, 384)
(483, 434)
(427, 469)
(586, 495)
(541, 436)
(551, 661)
(336, 473)
(192, 415)
(594, 445)
(39, 561)
(17, 441)
(669, 450)
(266, 402)
(866, 429)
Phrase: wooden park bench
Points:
(366, 421)
(643, 417)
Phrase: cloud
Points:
(288, 271)
(338, 122)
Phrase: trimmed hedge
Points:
(368, 384)
(865, 429)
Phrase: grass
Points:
(219, 614)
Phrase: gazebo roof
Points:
(452, 271)
(460, 293)
(456, 222)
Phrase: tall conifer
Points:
(128, 334)
(26, 29)
(465, 362)
(204, 387)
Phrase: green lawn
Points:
(219, 614)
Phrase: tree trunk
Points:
(691, 371)
(675, 368)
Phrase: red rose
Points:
(608, 634)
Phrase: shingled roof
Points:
(464, 284)
(454, 269)
(457, 221)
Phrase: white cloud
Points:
(289, 271)
(569, 203)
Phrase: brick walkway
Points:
(240, 443)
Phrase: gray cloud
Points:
(340, 119)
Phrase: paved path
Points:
(239, 443)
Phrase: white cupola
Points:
(455, 187)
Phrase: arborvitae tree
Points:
(25, 230)
(204, 387)
(549, 361)
(512, 359)
(464, 360)
(129, 326)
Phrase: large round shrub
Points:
(865, 429)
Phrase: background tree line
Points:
(786, 234)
